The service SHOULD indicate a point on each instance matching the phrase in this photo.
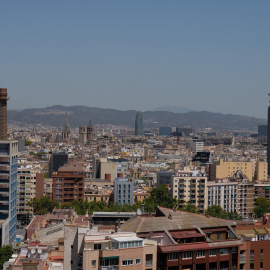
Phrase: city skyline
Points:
(137, 55)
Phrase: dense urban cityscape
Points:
(134, 135)
(116, 197)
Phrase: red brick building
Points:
(68, 183)
(254, 254)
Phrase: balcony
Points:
(242, 257)
(109, 267)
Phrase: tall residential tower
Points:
(8, 178)
(268, 141)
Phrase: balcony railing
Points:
(109, 267)
(242, 257)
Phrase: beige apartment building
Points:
(225, 169)
(246, 193)
(261, 170)
(26, 188)
(187, 187)
(118, 251)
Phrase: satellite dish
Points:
(39, 251)
(139, 212)
(33, 251)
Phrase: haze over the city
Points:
(140, 55)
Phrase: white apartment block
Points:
(223, 193)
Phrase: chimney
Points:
(207, 215)
(3, 113)
(170, 217)
(266, 219)
(108, 177)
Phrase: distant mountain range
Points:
(173, 109)
(81, 115)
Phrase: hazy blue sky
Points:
(206, 55)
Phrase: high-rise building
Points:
(268, 140)
(139, 124)
(262, 130)
(8, 178)
(3, 113)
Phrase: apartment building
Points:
(262, 189)
(29, 186)
(245, 202)
(118, 251)
(68, 183)
(223, 192)
(226, 169)
(123, 191)
(190, 186)
(261, 171)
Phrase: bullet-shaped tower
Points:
(3, 113)
(139, 124)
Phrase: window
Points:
(93, 263)
(212, 252)
(138, 261)
(127, 262)
(224, 251)
(200, 253)
(187, 255)
(172, 256)
(219, 236)
(97, 246)
(149, 260)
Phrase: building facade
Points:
(123, 192)
(68, 183)
(223, 193)
(8, 190)
(225, 169)
(190, 187)
(139, 124)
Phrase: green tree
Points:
(43, 205)
(159, 197)
(216, 211)
(66, 205)
(189, 207)
(5, 254)
(262, 206)
(234, 216)
(27, 143)
(219, 212)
